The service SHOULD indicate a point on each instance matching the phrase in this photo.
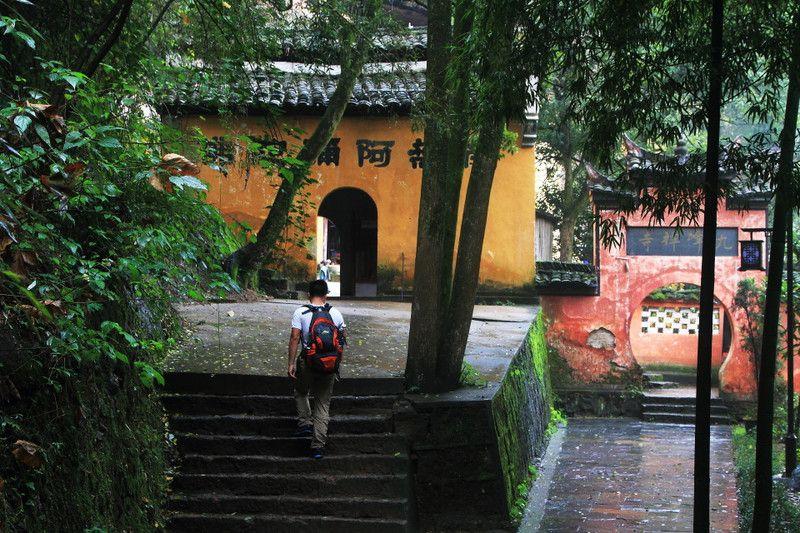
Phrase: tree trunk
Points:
(434, 211)
(249, 258)
(702, 435)
(470, 248)
(569, 221)
(569, 215)
(769, 342)
(493, 112)
(458, 121)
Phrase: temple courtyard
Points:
(252, 337)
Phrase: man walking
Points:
(319, 328)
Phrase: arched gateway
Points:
(347, 237)
(663, 329)
(591, 324)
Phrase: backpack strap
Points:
(312, 308)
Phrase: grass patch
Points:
(470, 377)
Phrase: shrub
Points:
(91, 253)
(785, 513)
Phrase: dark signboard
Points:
(669, 241)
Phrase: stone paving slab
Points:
(616, 474)
(252, 337)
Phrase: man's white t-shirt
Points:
(302, 321)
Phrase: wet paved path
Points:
(618, 474)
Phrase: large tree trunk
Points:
(434, 211)
(252, 256)
(492, 116)
(470, 247)
(769, 342)
(702, 436)
(458, 121)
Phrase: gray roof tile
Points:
(380, 93)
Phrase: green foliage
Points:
(91, 254)
(564, 192)
(392, 279)
(684, 292)
(557, 420)
(523, 490)
(785, 513)
(749, 302)
(539, 354)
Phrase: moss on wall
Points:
(521, 410)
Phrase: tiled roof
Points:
(303, 46)
(566, 279)
(641, 164)
(380, 93)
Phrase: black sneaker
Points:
(304, 431)
(317, 453)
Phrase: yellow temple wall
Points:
(245, 193)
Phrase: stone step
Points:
(248, 384)
(273, 464)
(274, 425)
(686, 408)
(681, 418)
(653, 376)
(682, 378)
(675, 400)
(258, 404)
(662, 384)
(340, 444)
(309, 485)
(237, 523)
(353, 507)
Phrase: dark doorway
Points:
(355, 217)
(727, 334)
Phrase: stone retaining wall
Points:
(471, 447)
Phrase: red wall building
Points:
(603, 334)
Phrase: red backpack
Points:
(325, 341)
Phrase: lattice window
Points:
(674, 320)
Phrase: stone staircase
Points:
(680, 410)
(241, 470)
